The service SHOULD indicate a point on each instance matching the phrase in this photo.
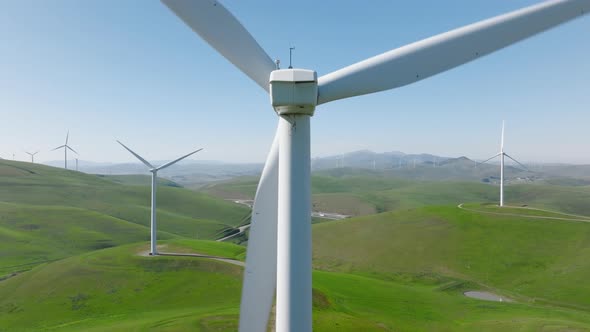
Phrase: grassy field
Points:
(117, 289)
(72, 256)
(48, 213)
(361, 192)
(138, 180)
(535, 260)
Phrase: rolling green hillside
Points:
(534, 260)
(73, 256)
(48, 213)
(138, 180)
(117, 289)
(363, 192)
(43, 185)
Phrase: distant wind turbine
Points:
(32, 155)
(66, 147)
(501, 154)
(154, 170)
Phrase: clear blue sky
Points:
(131, 70)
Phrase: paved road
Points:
(249, 203)
(217, 258)
(487, 296)
(188, 254)
(317, 214)
(577, 218)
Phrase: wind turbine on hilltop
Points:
(501, 154)
(32, 155)
(154, 170)
(66, 147)
(279, 248)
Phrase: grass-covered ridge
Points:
(73, 256)
(357, 193)
(118, 289)
(538, 259)
(49, 213)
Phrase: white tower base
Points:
(294, 298)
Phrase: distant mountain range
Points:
(422, 166)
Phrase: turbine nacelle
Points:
(293, 91)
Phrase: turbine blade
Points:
(67, 136)
(422, 59)
(74, 151)
(59, 147)
(177, 160)
(137, 156)
(516, 161)
(485, 161)
(220, 29)
(260, 277)
(502, 142)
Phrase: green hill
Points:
(532, 259)
(117, 289)
(72, 256)
(48, 213)
(138, 180)
(359, 192)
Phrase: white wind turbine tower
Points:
(154, 170)
(32, 155)
(501, 154)
(279, 249)
(66, 147)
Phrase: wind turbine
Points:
(154, 170)
(66, 147)
(501, 154)
(32, 155)
(279, 248)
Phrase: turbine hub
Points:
(293, 91)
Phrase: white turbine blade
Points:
(502, 142)
(74, 151)
(516, 161)
(260, 277)
(67, 136)
(177, 160)
(137, 156)
(422, 59)
(485, 161)
(220, 29)
(59, 147)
